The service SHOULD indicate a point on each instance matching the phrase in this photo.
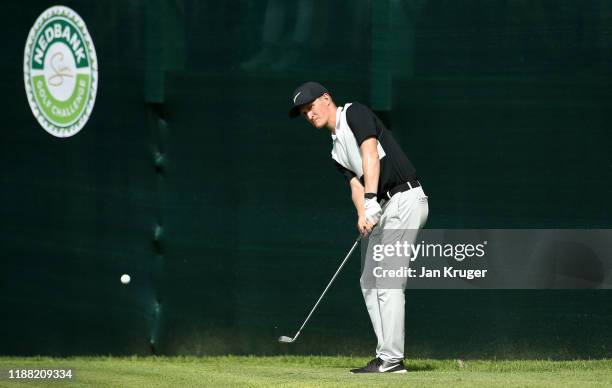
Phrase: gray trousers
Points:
(403, 215)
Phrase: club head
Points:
(285, 339)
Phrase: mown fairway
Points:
(307, 371)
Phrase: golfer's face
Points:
(314, 112)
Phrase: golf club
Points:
(285, 339)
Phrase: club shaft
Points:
(348, 255)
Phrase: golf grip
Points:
(328, 285)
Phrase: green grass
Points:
(308, 371)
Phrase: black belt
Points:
(401, 188)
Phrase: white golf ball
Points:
(125, 278)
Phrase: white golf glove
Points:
(373, 211)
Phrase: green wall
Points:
(230, 218)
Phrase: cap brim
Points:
(295, 111)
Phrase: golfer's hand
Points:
(364, 227)
(373, 211)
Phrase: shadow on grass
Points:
(420, 367)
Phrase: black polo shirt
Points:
(395, 167)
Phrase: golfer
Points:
(378, 173)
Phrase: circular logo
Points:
(60, 71)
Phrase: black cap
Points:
(305, 94)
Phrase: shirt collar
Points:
(338, 111)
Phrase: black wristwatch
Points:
(370, 195)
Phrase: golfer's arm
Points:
(371, 164)
(357, 196)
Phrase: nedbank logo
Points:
(60, 71)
